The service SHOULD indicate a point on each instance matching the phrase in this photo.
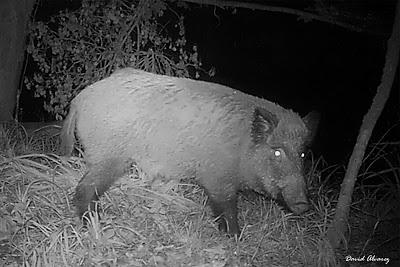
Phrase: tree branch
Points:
(303, 15)
(338, 229)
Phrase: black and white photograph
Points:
(201, 133)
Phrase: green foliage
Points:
(76, 48)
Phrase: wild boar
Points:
(176, 128)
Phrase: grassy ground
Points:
(145, 223)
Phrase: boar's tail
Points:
(67, 134)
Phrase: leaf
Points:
(76, 48)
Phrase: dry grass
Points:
(143, 223)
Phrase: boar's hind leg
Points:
(226, 212)
(96, 181)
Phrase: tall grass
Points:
(152, 223)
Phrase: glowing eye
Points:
(302, 155)
(277, 153)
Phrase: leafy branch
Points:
(76, 48)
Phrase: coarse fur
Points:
(176, 128)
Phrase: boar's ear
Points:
(264, 122)
(311, 120)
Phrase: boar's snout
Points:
(294, 195)
(299, 208)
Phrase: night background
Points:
(301, 66)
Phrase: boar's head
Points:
(278, 150)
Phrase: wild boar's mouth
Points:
(293, 195)
(297, 207)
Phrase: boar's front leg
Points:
(225, 209)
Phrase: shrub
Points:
(76, 48)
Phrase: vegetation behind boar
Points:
(176, 128)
